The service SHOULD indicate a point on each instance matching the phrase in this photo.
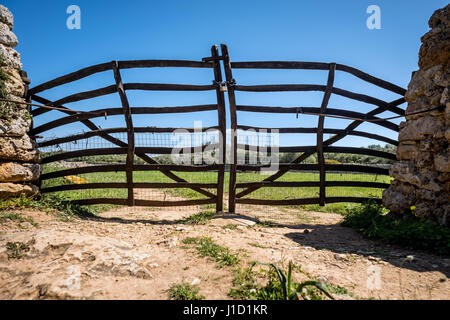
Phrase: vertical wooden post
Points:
(222, 127)
(130, 131)
(320, 155)
(233, 154)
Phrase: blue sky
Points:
(323, 31)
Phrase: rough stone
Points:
(6, 16)
(399, 197)
(442, 162)
(422, 174)
(20, 149)
(418, 129)
(10, 57)
(8, 38)
(435, 47)
(406, 151)
(15, 172)
(422, 84)
(407, 172)
(9, 189)
(15, 87)
(17, 123)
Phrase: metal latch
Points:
(222, 85)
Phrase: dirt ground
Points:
(137, 253)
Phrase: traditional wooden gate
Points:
(237, 191)
(322, 146)
(128, 147)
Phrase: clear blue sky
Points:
(324, 31)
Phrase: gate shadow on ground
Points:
(343, 240)
(332, 237)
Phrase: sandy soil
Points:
(137, 253)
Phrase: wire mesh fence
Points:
(161, 189)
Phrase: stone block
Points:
(16, 172)
(8, 190)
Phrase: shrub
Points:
(370, 220)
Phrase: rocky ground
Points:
(138, 254)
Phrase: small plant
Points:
(184, 291)
(230, 226)
(207, 248)
(279, 285)
(372, 222)
(55, 203)
(15, 250)
(266, 224)
(199, 218)
(13, 216)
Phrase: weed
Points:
(279, 285)
(184, 291)
(207, 248)
(230, 226)
(266, 224)
(372, 222)
(199, 218)
(15, 250)
(13, 216)
(55, 203)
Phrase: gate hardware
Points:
(222, 85)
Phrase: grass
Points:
(184, 291)
(205, 247)
(279, 285)
(17, 217)
(199, 218)
(52, 202)
(372, 221)
(211, 177)
(230, 226)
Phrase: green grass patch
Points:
(184, 291)
(17, 217)
(52, 202)
(211, 177)
(372, 222)
(199, 218)
(207, 248)
(230, 226)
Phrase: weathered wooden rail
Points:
(219, 85)
(322, 146)
(129, 148)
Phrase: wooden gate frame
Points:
(129, 147)
(213, 62)
(321, 145)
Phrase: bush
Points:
(370, 220)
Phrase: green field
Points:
(211, 177)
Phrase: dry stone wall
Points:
(422, 173)
(19, 157)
